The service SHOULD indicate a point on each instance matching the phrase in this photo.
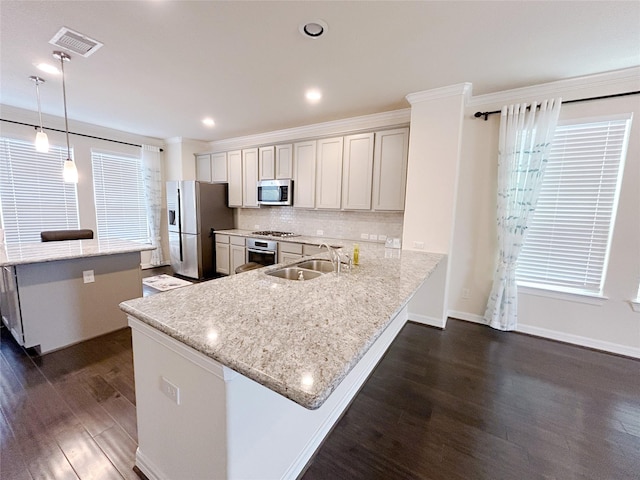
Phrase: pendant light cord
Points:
(64, 99)
(39, 109)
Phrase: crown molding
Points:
(607, 82)
(442, 92)
(336, 127)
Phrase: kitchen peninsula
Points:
(54, 294)
(242, 377)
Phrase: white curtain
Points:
(524, 144)
(152, 173)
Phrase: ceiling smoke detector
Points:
(75, 42)
(314, 29)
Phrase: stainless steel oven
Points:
(264, 252)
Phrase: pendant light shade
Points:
(42, 141)
(70, 172)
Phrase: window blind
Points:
(33, 194)
(118, 185)
(568, 239)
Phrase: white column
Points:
(434, 156)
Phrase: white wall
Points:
(180, 162)
(610, 324)
(82, 147)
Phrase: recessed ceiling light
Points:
(313, 95)
(313, 29)
(47, 67)
(208, 122)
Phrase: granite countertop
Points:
(299, 339)
(38, 252)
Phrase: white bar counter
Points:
(55, 294)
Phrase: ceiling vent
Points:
(75, 42)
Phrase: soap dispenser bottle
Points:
(356, 254)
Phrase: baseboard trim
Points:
(581, 341)
(426, 320)
(468, 317)
(586, 342)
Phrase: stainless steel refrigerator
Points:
(195, 211)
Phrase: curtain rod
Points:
(73, 133)
(486, 114)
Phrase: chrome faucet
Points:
(333, 256)
(336, 258)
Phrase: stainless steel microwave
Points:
(275, 192)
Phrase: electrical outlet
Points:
(88, 276)
(418, 245)
(364, 236)
(373, 236)
(466, 294)
(382, 238)
(320, 232)
(257, 227)
(170, 390)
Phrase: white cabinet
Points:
(289, 252)
(284, 161)
(390, 169)
(203, 167)
(267, 163)
(329, 173)
(222, 254)
(219, 167)
(10, 303)
(237, 256)
(276, 162)
(357, 172)
(250, 174)
(304, 174)
(234, 164)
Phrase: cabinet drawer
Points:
(221, 238)
(311, 250)
(237, 240)
(286, 247)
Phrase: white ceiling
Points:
(165, 65)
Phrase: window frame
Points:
(100, 194)
(51, 163)
(584, 295)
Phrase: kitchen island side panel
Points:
(59, 309)
(229, 426)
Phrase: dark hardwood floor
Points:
(464, 403)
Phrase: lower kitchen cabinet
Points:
(10, 303)
(237, 253)
(222, 254)
(289, 252)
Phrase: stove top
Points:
(273, 233)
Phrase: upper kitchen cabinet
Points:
(219, 167)
(304, 174)
(203, 167)
(284, 161)
(234, 164)
(329, 173)
(267, 167)
(250, 173)
(357, 172)
(390, 169)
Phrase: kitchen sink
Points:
(324, 266)
(294, 273)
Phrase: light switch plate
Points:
(364, 236)
(170, 390)
(320, 232)
(88, 276)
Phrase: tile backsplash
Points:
(346, 225)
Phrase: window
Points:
(118, 187)
(33, 194)
(568, 240)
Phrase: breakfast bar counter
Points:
(264, 343)
(55, 294)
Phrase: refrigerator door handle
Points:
(180, 226)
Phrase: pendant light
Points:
(70, 172)
(42, 141)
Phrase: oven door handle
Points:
(264, 252)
